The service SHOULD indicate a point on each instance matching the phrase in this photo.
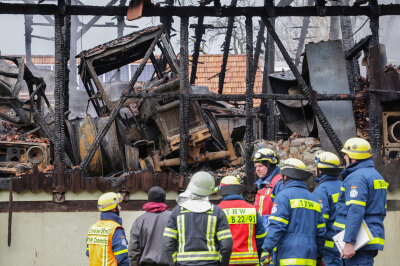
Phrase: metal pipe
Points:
(204, 157)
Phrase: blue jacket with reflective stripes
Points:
(295, 223)
(119, 243)
(262, 182)
(362, 197)
(327, 193)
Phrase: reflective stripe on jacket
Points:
(295, 223)
(263, 202)
(108, 230)
(246, 227)
(362, 197)
(327, 193)
(198, 235)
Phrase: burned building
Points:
(158, 131)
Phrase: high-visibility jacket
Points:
(362, 197)
(263, 202)
(247, 229)
(295, 223)
(106, 242)
(198, 237)
(327, 193)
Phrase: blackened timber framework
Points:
(64, 9)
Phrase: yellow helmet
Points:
(295, 169)
(231, 185)
(265, 155)
(357, 148)
(326, 159)
(230, 180)
(108, 201)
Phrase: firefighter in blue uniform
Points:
(295, 221)
(363, 197)
(327, 191)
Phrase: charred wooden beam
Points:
(227, 45)
(184, 101)
(303, 34)
(308, 92)
(358, 47)
(374, 71)
(199, 31)
(249, 96)
(59, 90)
(196, 11)
(257, 50)
(267, 96)
(91, 206)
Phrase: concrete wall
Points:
(58, 238)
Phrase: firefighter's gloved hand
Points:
(265, 258)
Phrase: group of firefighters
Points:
(288, 225)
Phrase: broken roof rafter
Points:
(195, 11)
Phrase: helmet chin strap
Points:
(271, 167)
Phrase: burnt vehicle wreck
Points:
(142, 135)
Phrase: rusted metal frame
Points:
(249, 104)
(303, 35)
(184, 101)
(195, 11)
(374, 99)
(227, 46)
(308, 92)
(59, 90)
(95, 145)
(199, 31)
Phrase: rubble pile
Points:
(360, 109)
(8, 132)
(301, 148)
